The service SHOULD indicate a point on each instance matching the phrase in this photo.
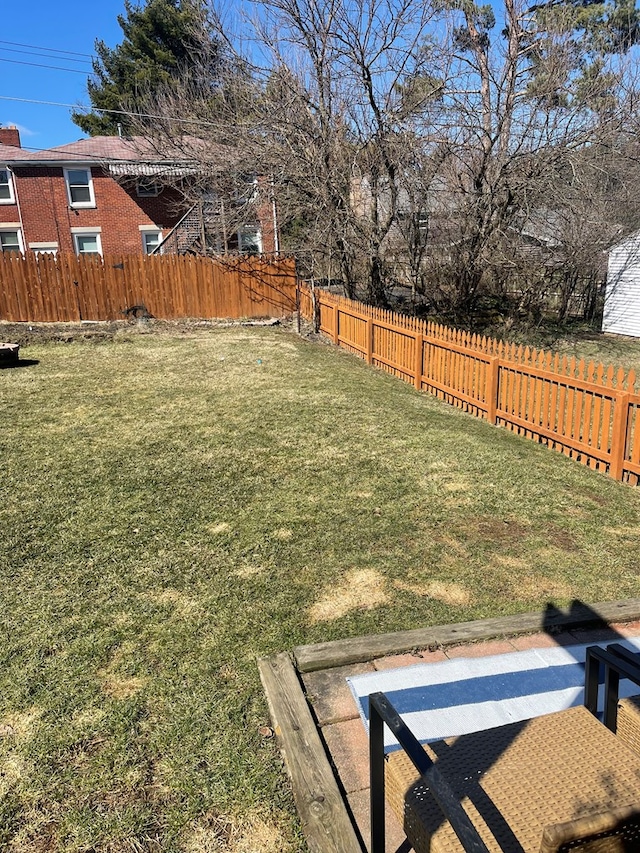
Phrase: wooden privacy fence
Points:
(588, 412)
(67, 288)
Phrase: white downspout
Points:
(274, 213)
(23, 236)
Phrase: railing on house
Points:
(586, 411)
(200, 229)
(185, 234)
(67, 288)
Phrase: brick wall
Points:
(10, 136)
(47, 216)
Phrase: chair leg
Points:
(376, 780)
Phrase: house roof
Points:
(630, 237)
(137, 155)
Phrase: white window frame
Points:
(92, 197)
(12, 196)
(12, 228)
(247, 193)
(149, 229)
(86, 232)
(44, 248)
(152, 189)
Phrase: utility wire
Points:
(50, 67)
(50, 49)
(44, 55)
(219, 124)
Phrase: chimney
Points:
(10, 136)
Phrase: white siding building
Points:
(622, 297)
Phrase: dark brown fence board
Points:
(66, 288)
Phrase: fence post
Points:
(369, 340)
(418, 362)
(298, 307)
(619, 435)
(315, 309)
(336, 318)
(493, 376)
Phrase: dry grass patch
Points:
(184, 606)
(122, 688)
(283, 533)
(448, 593)
(500, 532)
(249, 571)
(521, 582)
(453, 545)
(223, 834)
(624, 532)
(525, 588)
(20, 725)
(116, 684)
(362, 589)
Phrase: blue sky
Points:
(61, 25)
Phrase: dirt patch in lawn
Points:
(559, 538)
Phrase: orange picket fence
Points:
(66, 288)
(586, 411)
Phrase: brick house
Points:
(108, 194)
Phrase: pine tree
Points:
(161, 40)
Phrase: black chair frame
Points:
(617, 661)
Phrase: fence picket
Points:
(66, 288)
(563, 402)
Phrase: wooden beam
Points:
(361, 649)
(325, 821)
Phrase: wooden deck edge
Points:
(363, 649)
(325, 820)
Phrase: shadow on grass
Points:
(22, 362)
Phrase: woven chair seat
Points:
(629, 722)
(532, 786)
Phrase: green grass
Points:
(173, 507)
(608, 349)
(580, 341)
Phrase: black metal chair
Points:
(617, 663)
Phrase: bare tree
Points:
(524, 107)
(410, 142)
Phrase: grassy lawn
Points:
(583, 342)
(172, 507)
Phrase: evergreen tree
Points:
(162, 39)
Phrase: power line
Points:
(85, 157)
(115, 112)
(50, 49)
(34, 53)
(39, 65)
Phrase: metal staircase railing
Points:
(184, 234)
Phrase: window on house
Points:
(250, 241)
(44, 248)
(87, 244)
(80, 187)
(6, 187)
(10, 240)
(150, 241)
(247, 191)
(147, 188)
